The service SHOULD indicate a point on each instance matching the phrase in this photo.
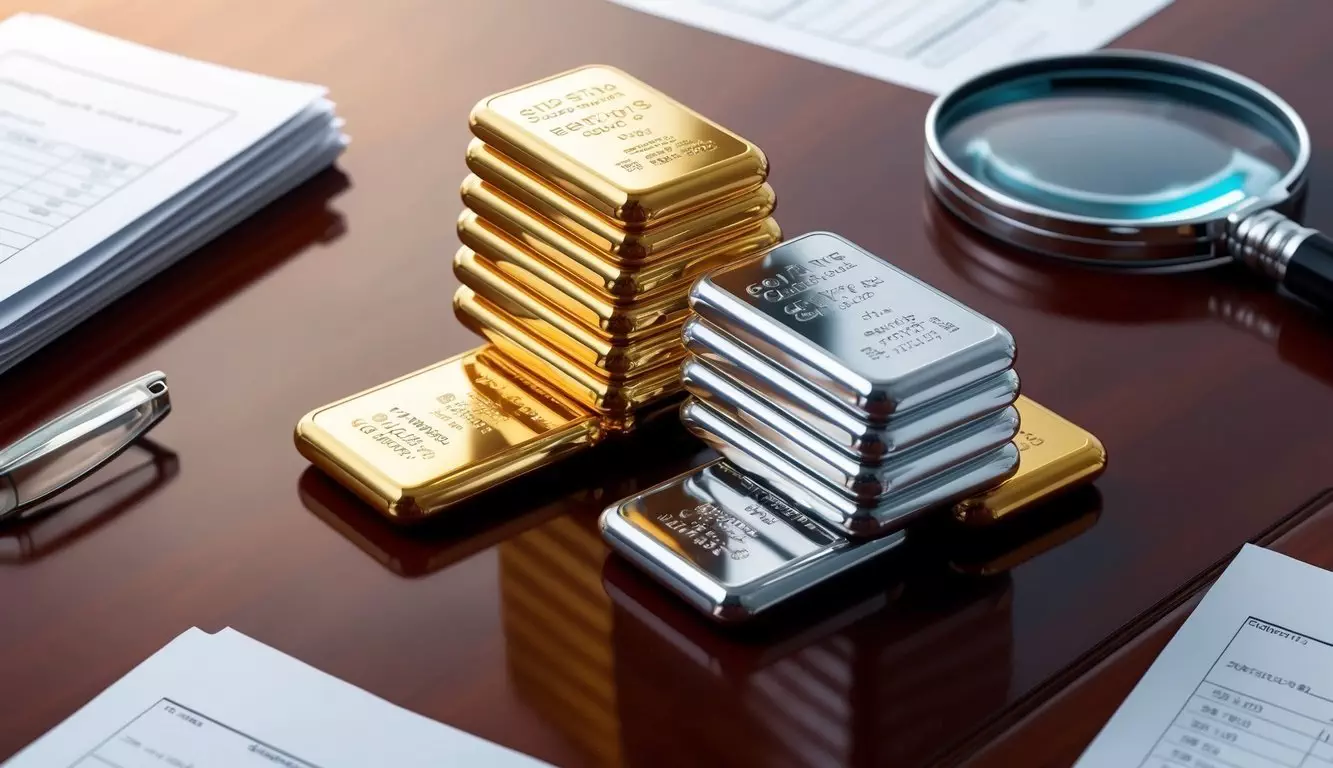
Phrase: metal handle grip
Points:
(1298, 257)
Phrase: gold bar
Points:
(614, 400)
(1055, 455)
(602, 234)
(624, 280)
(663, 309)
(626, 150)
(573, 339)
(417, 444)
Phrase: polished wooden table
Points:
(1213, 396)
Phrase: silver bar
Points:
(68, 448)
(891, 513)
(848, 431)
(866, 483)
(870, 335)
(727, 544)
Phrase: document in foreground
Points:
(224, 700)
(929, 45)
(1247, 682)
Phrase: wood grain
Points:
(1212, 396)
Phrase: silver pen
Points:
(72, 446)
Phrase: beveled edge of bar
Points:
(720, 603)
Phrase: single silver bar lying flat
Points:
(727, 544)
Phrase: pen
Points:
(72, 446)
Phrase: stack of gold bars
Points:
(594, 202)
(846, 398)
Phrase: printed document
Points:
(1247, 682)
(116, 160)
(929, 45)
(227, 701)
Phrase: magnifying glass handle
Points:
(1298, 257)
(1310, 271)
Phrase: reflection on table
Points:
(906, 661)
(142, 470)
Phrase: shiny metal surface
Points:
(826, 502)
(71, 446)
(1141, 245)
(839, 425)
(572, 338)
(727, 544)
(614, 398)
(603, 270)
(870, 335)
(413, 446)
(712, 222)
(1054, 455)
(867, 483)
(627, 150)
(622, 319)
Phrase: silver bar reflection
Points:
(870, 335)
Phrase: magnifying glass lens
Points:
(1138, 150)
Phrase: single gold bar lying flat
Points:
(624, 321)
(571, 338)
(622, 279)
(602, 234)
(419, 443)
(1054, 455)
(610, 398)
(626, 150)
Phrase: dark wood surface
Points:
(1055, 732)
(1213, 397)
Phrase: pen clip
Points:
(68, 448)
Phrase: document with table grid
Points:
(116, 160)
(1247, 682)
(929, 45)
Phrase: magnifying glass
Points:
(1131, 161)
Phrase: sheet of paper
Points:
(96, 132)
(227, 701)
(1247, 682)
(929, 45)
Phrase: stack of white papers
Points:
(116, 160)
(226, 701)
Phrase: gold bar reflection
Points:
(558, 632)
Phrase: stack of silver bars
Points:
(846, 398)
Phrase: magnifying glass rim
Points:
(1124, 243)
